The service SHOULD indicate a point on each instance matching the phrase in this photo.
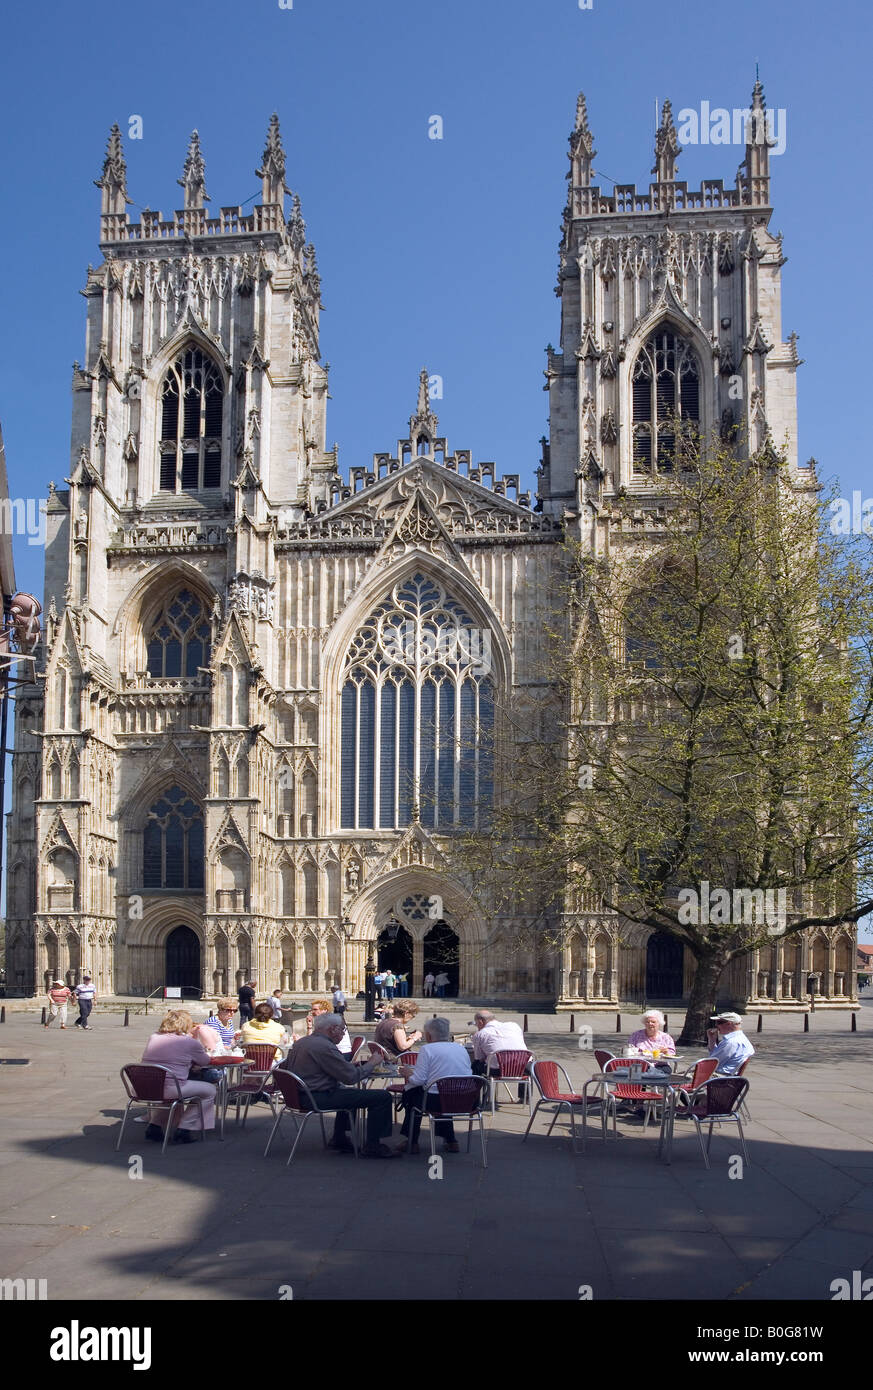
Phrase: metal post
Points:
(127, 1018)
(43, 1015)
(3, 1014)
(527, 1025)
(370, 987)
(572, 1023)
(760, 1027)
(618, 1023)
(806, 1023)
(854, 1021)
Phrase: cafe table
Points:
(652, 1080)
(227, 1063)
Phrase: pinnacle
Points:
(273, 158)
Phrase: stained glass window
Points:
(173, 843)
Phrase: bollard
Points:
(618, 1023)
(3, 1013)
(127, 1018)
(572, 1023)
(43, 1014)
(806, 1023)
(526, 1024)
(760, 1027)
(666, 1023)
(854, 1021)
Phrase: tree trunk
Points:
(710, 968)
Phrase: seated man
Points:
(728, 1043)
(437, 1058)
(493, 1036)
(318, 1061)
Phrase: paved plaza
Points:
(218, 1220)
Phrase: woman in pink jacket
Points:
(173, 1047)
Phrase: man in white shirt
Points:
(437, 1058)
(492, 1036)
(728, 1043)
(86, 994)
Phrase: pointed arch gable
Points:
(667, 312)
(144, 602)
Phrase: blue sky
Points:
(432, 252)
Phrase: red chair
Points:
(458, 1098)
(716, 1102)
(406, 1059)
(547, 1081)
(700, 1073)
(741, 1071)
(357, 1043)
(297, 1100)
(258, 1079)
(636, 1094)
(601, 1057)
(145, 1083)
(511, 1066)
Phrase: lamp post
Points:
(370, 986)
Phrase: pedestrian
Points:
(339, 1001)
(428, 983)
(275, 1002)
(441, 981)
(59, 997)
(390, 981)
(379, 982)
(246, 996)
(86, 996)
(403, 984)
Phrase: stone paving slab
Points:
(220, 1221)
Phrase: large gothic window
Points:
(180, 637)
(417, 714)
(192, 400)
(172, 843)
(666, 391)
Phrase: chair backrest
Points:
(377, 1050)
(601, 1057)
(408, 1059)
(627, 1090)
(460, 1095)
(722, 1095)
(511, 1064)
(262, 1054)
(145, 1081)
(547, 1076)
(294, 1091)
(741, 1070)
(356, 1043)
(703, 1070)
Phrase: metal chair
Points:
(511, 1066)
(633, 1092)
(357, 1043)
(297, 1100)
(257, 1080)
(601, 1057)
(744, 1109)
(546, 1078)
(145, 1083)
(716, 1102)
(406, 1059)
(695, 1076)
(458, 1098)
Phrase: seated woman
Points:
(323, 1006)
(174, 1047)
(263, 1028)
(651, 1037)
(391, 1032)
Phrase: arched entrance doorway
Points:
(182, 967)
(442, 954)
(394, 950)
(664, 956)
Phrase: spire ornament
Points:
(193, 178)
(272, 170)
(582, 149)
(113, 179)
(667, 147)
(423, 421)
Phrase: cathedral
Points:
(235, 758)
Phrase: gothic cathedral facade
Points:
(233, 762)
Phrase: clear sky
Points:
(432, 252)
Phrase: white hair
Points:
(656, 1014)
(438, 1029)
(323, 1021)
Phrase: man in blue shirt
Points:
(728, 1043)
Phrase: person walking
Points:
(441, 982)
(390, 982)
(379, 982)
(428, 983)
(59, 997)
(339, 1001)
(275, 1003)
(86, 996)
(403, 985)
(246, 996)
